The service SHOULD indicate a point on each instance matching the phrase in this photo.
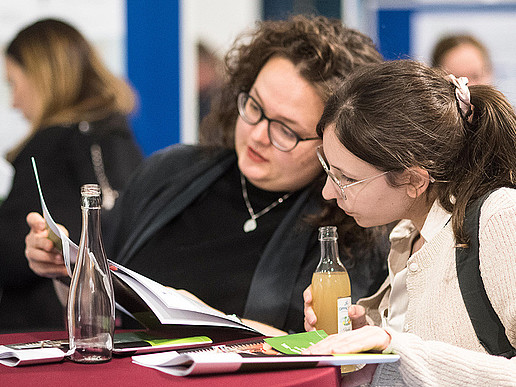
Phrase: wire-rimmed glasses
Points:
(335, 179)
(280, 135)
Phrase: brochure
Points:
(167, 312)
(282, 352)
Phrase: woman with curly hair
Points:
(234, 220)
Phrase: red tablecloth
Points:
(121, 372)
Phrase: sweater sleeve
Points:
(427, 362)
(497, 253)
(434, 363)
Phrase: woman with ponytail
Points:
(402, 141)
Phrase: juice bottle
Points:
(331, 289)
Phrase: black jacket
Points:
(64, 161)
(172, 179)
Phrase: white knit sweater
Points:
(439, 346)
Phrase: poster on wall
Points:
(405, 29)
(495, 27)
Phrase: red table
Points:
(121, 372)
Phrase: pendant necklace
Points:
(250, 224)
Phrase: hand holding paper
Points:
(42, 256)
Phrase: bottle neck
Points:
(330, 260)
(91, 231)
(90, 202)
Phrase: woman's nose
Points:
(328, 191)
(260, 132)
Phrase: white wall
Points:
(101, 21)
(495, 29)
(217, 23)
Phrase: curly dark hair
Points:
(324, 51)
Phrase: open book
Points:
(163, 310)
(166, 311)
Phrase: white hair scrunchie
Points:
(463, 96)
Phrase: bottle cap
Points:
(90, 190)
(328, 232)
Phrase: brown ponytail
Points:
(488, 157)
(400, 114)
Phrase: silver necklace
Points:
(250, 224)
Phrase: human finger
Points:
(357, 316)
(307, 295)
(38, 240)
(47, 269)
(363, 339)
(35, 221)
(310, 317)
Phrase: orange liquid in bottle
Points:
(327, 288)
(331, 289)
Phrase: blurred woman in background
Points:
(79, 134)
(464, 56)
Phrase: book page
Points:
(169, 296)
(12, 356)
(172, 307)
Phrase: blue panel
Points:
(277, 10)
(282, 9)
(394, 33)
(153, 69)
(330, 9)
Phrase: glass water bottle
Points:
(331, 289)
(91, 301)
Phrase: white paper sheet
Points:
(70, 249)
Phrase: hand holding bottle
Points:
(356, 313)
(331, 288)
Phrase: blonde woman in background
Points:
(79, 134)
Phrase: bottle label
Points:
(344, 322)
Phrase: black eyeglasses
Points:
(280, 135)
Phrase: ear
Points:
(418, 181)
